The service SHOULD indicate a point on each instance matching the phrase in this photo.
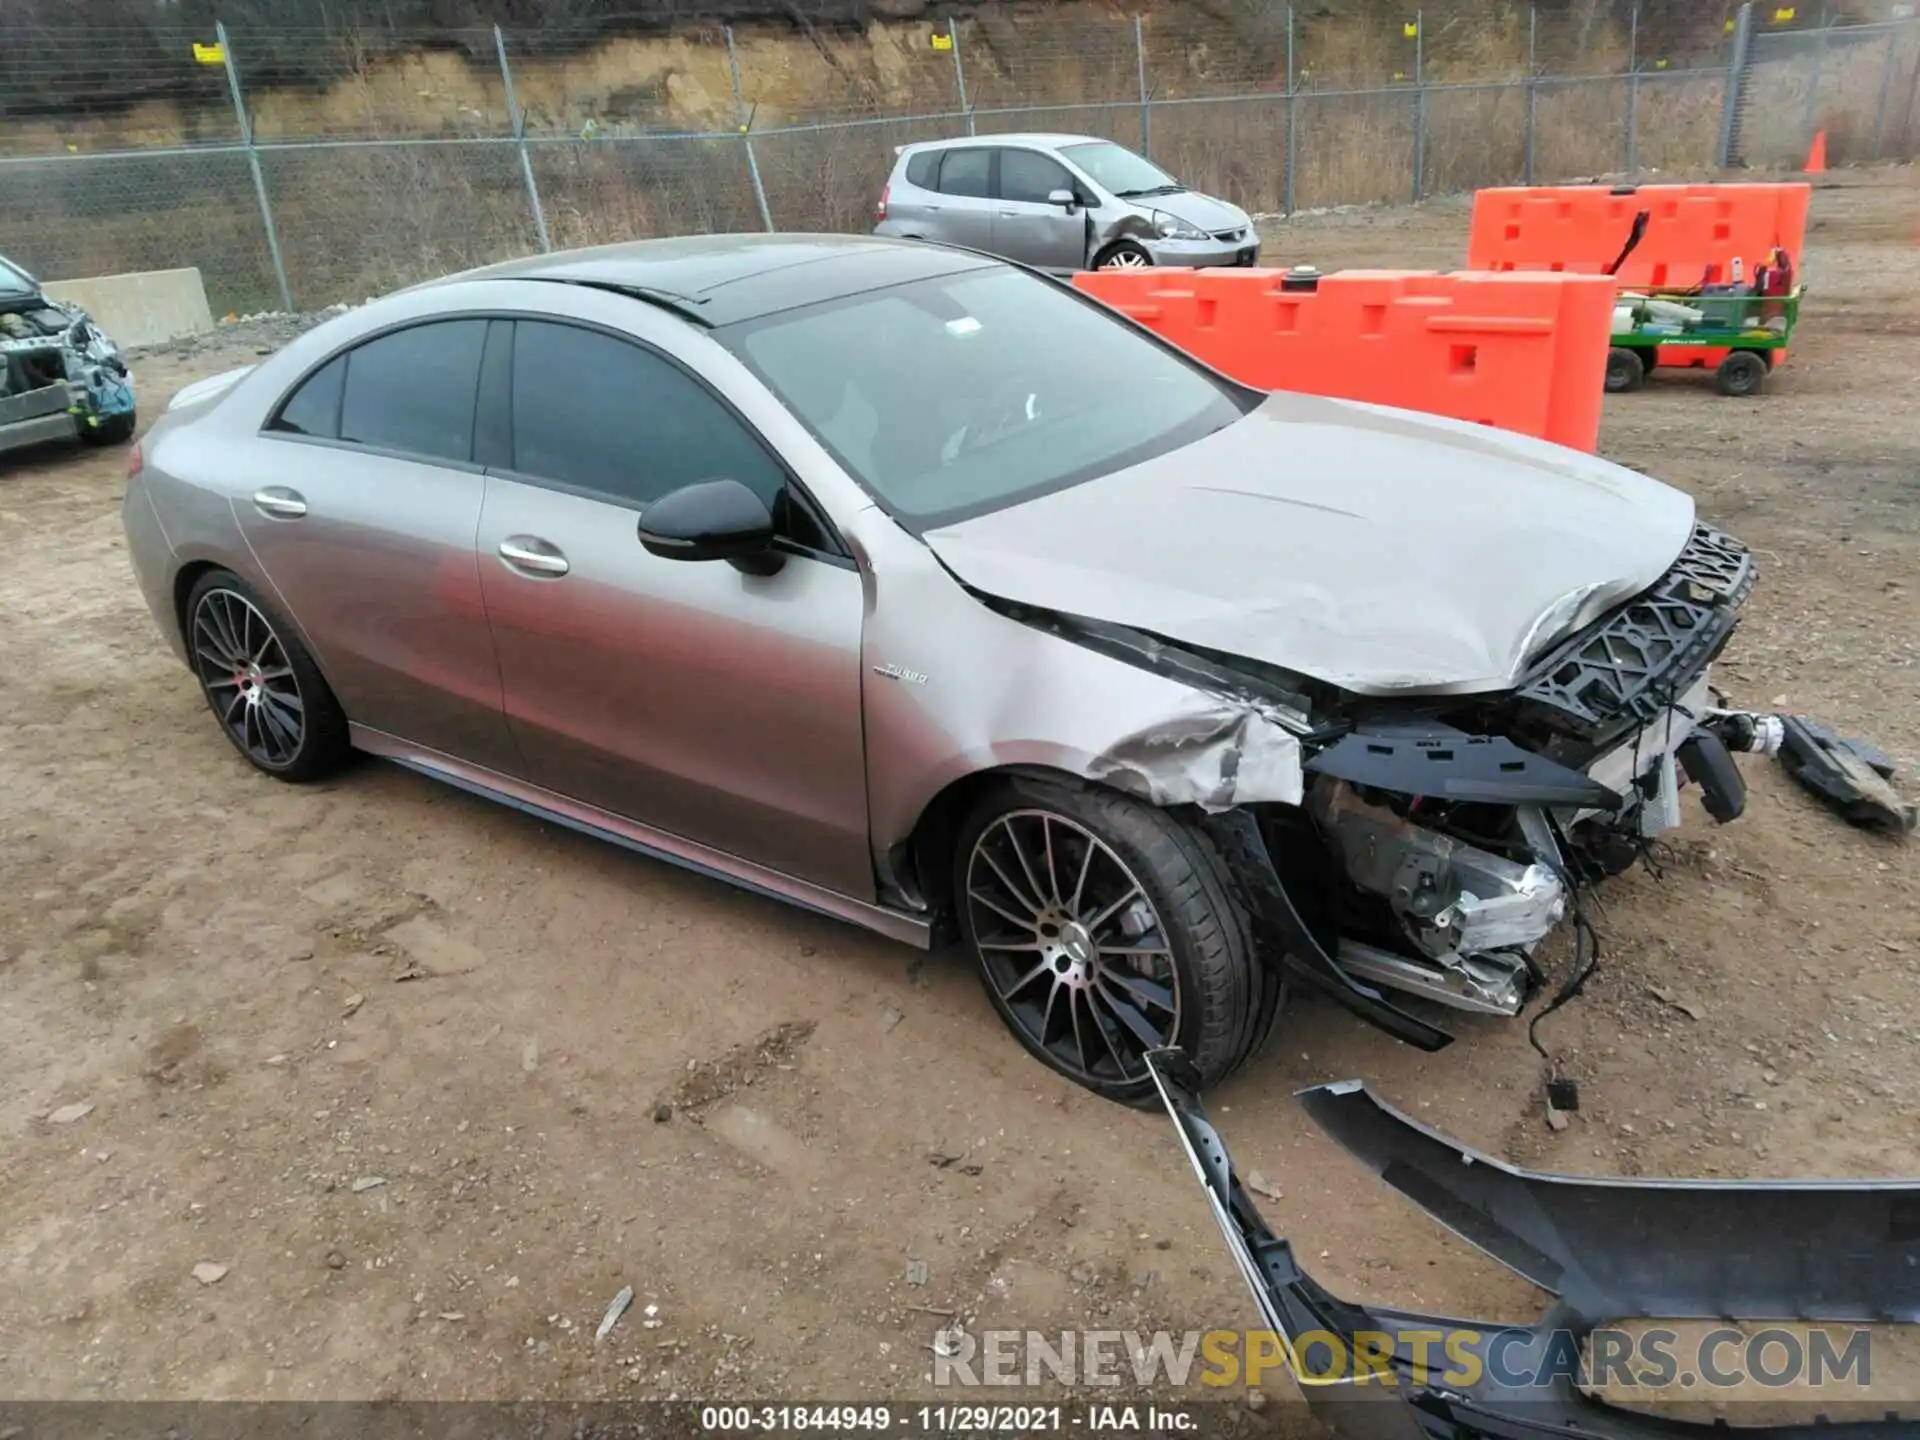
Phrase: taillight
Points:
(880, 210)
(135, 459)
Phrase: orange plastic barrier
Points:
(1524, 352)
(1694, 232)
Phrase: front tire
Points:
(260, 683)
(1104, 928)
(1123, 255)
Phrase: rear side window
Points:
(921, 168)
(1029, 177)
(965, 173)
(413, 390)
(314, 409)
(595, 413)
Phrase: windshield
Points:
(1119, 171)
(953, 396)
(14, 281)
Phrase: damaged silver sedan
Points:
(61, 377)
(904, 584)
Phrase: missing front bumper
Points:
(1609, 1249)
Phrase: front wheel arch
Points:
(927, 853)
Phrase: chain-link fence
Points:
(302, 166)
(1855, 82)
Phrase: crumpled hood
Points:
(1197, 209)
(1378, 550)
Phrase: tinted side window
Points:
(920, 168)
(604, 415)
(413, 390)
(1025, 175)
(314, 409)
(965, 173)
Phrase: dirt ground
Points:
(393, 1055)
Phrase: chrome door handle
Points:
(280, 502)
(1009, 214)
(534, 556)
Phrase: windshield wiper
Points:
(1173, 189)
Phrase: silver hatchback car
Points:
(922, 590)
(1060, 203)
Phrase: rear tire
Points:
(1625, 370)
(1103, 928)
(1123, 255)
(1742, 373)
(260, 683)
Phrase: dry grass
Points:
(355, 223)
(1864, 100)
(626, 190)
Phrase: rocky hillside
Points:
(64, 60)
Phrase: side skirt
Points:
(898, 925)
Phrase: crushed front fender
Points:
(1608, 1249)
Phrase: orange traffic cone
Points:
(1817, 154)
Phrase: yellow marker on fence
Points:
(1783, 15)
(209, 54)
(1411, 29)
(940, 40)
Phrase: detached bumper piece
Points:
(1610, 1249)
(1851, 776)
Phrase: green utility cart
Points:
(1741, 337)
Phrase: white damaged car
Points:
(61, 377)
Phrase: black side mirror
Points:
(712, 520)
(1065, 199)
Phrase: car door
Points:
(965, 203)
(694, 698)
(1027, 226)
(362, 517)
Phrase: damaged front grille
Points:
(1626, 668)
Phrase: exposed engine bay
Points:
(61, 377)
(1451, 844)
(1440, 839)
